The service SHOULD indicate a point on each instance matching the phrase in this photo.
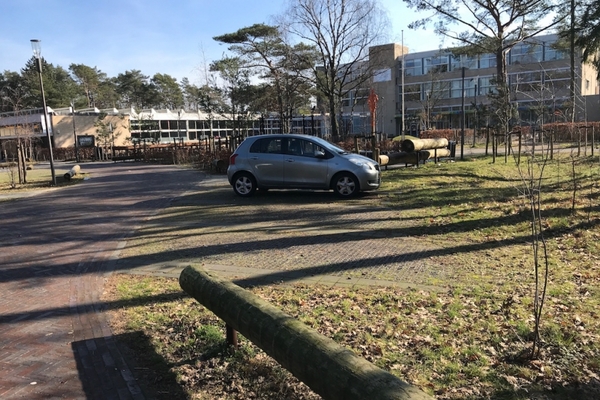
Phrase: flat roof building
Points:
(434, 83)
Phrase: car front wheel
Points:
(244, 184)
(345, 185)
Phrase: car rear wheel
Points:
(345, 185)
(244, 184)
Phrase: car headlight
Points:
(362, 163)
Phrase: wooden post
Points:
(373, 99)
(552, 145)
(593, 141)
(231, 336)
(519, 154)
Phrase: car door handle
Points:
(289, 160)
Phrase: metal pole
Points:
(476, 117)
(312, 122)
(402, 127)
(39, 62)
(75, 133)
(462, 121)
(112, 145)
(303, 129)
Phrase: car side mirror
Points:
(319, 154)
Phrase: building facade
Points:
(112, 127)
(438, 86)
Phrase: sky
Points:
(154, 36)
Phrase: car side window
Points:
(311, 149)
(308, 148)
(266, 145)
(304, 148)
(294, 146)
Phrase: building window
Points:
(347, 99)
(414, 67)
(456, 88)
(552, 54)
(435, 65)
(459, 61)
(486, 86)
(526, 53)
(411, 93)
(487, 61)
(436, 90)
(526, 82)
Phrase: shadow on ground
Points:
(150, 379)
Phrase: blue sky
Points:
(166, 36)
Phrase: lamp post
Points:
(74, 132)
(37, 51)
(476, 117)
(462, 117)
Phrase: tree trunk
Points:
(21, 162)
(503, 89)
(333, 118)
(24, 163)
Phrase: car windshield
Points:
(329, 146)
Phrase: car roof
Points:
(296, 135)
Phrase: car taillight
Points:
(232, 159)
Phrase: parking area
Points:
(282, 236)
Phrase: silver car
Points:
(288, 161)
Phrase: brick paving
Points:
(286, 234)
(59, 245)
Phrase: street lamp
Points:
(74, 132)
(37, 52)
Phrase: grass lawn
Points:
(470, 339)
(38, 177)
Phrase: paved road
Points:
(56, 248)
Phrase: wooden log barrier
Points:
(410, 145)
(412, 158)
(73, 171)
(329, 369)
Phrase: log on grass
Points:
(72, 172)
(410, 145)
(329, 369)
(414, 157)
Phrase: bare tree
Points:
(23, 129)
(434, 91)
(532, 178)
(489, 27)
(342, 31)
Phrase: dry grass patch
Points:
(461, 343)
